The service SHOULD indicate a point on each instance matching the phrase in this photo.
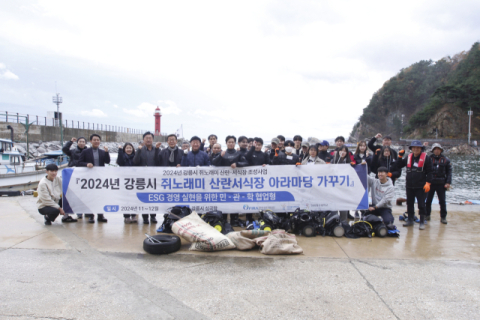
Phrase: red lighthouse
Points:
(157, 116)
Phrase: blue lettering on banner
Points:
(209, 197)
(111, 208)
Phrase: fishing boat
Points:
(18, 175)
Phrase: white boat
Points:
(16, 174)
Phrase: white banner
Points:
(241, 190)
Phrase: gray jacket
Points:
(383, 194)
(140, 159)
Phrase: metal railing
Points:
(15, 117)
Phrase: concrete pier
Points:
(100, 271)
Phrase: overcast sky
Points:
(254, 68)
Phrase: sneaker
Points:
(427, 218)
(408, 223)
(133, 219)
(91, 219)
(127, 220)
(444, 220)
(101, 218)
(350, 217)
(79, 216)
(153, 220)
(48, 222)
(422, 226)
(145, 221)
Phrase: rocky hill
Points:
(429, 97)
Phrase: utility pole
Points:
(470, 113)
(57, 100)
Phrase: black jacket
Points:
(284, 159)
(140, 159)
(360, 157)
(256, 158)
(231, 156)
(442, 170)
(416, 177)
(162, 158)
(388, 163)
(73, 154)
(325, 156)
(86, 157)
(125, 160)
(371, 145)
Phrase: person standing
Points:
(441, 181)
(386, 142)
(125, 159)
(49, 201)
(233, 159)
(74, 154)
(212, 139)
(94, 157)
(323, 151)
(196, 157)
(383, 158)
(147, 156)
(339, 142)
(298, 145)
(361, 155)
(313, 157)
(287, 156)
(172, 155)
(418, 180)
(304, 153)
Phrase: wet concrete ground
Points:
(100, 271)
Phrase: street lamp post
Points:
(470, 113)
(57, 100)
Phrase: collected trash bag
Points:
(244, 240)
(312, 223)
(279, 242)
(169, 219)
(161, 244)
(404, 217)
(204, 237)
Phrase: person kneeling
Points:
(50, 196)
(383, 196)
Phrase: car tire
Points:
(168, 244)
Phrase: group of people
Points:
(425, 174)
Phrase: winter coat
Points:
(231, 156)
(317, 161)
(140, 159)
(416, 177)
(359, 158)
(49, 192)
(164, 156)
(350, 155)
(383, 194)
(388, 163)
(325, 156)
(371, 145)
(73, 154)
(125, 160)
(193, 159)
(284, 159)
(442, 170)
(86, 157)
(256, 158)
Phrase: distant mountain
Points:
(430, 97)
